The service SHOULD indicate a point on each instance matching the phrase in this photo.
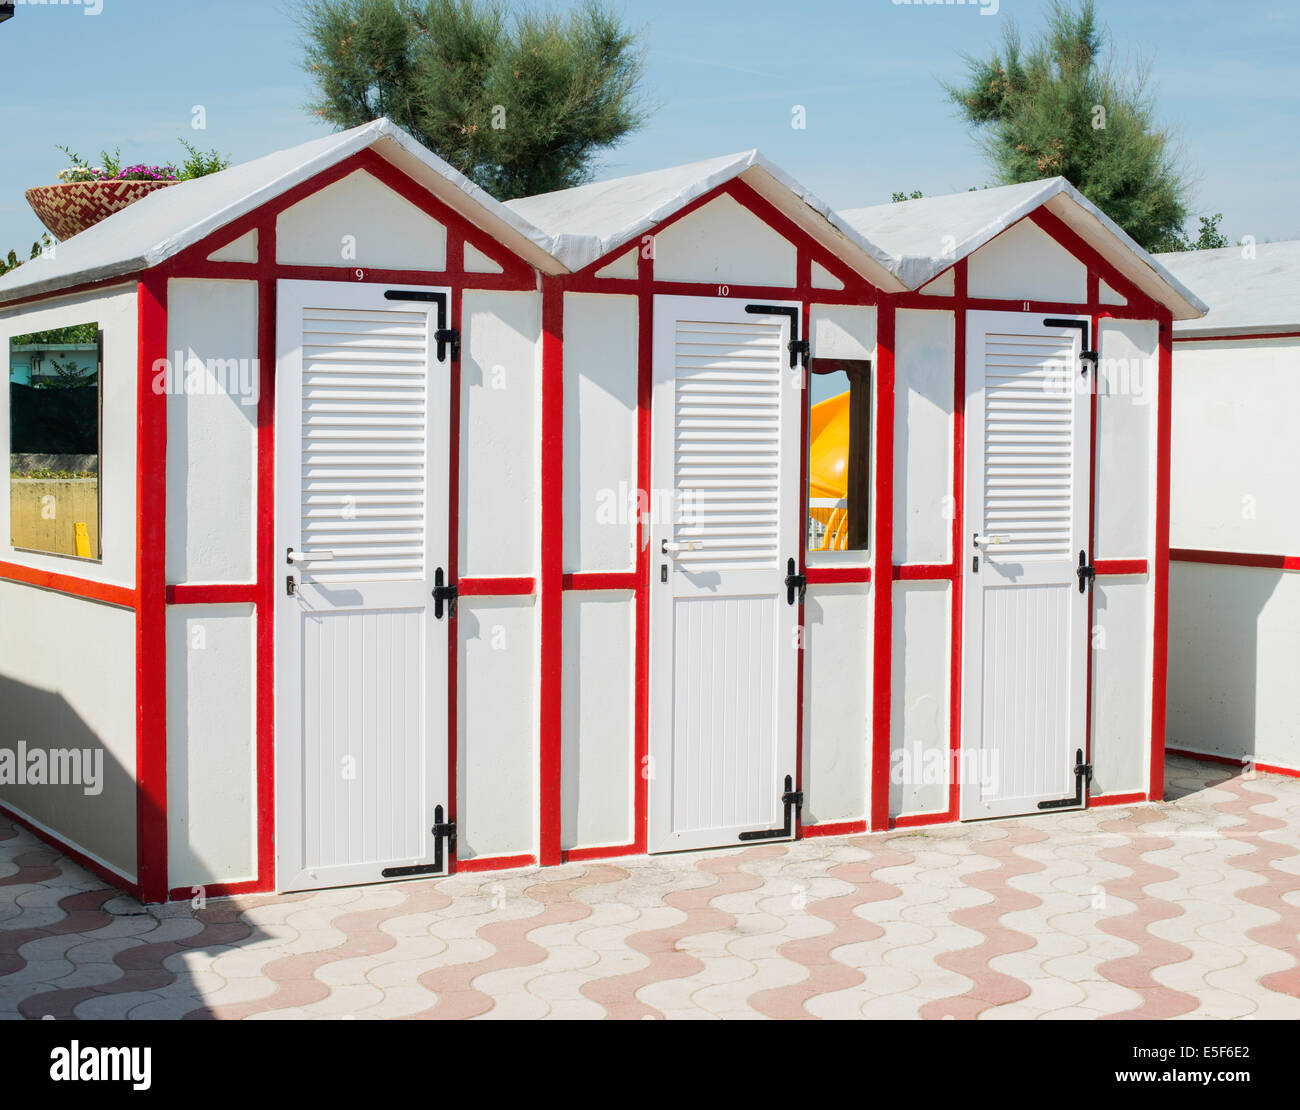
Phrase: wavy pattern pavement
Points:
(1191, 908)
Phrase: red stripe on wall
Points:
(1229, 338)
(882, 693)
(266, 569)
(218, 593)
(957, 625)
(1231, 761)
(1110, 568)
(495, 863)
(497, 587)
(645, 390)
(551, 581)
(596, 581)
(837, 576)
(82, 588)
(151, 612)
(1235, 559)
(834, 828)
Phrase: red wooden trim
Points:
(551, 580)
(1107, 568)
(1116, 800)
(267, 578)
(601, 580)
(578, 855)
(645, 388)
(151, 613)
(494, 863)
(920, 820)
(1097, 264)
(82, 588)
(497, 587)
(1160, 654)
(100, 870)
(214, 594)
(925, 302)
(1235, 559)
(837, 576)
(924, 572)
(1230, 338)
(956, 625)
(1230, 761)
(834, 828)
(193, 261)
(883, 568)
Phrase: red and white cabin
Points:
(1234, 623)
(667, 513)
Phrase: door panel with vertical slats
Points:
(363, 456)
(1027, 498)
(723, 638)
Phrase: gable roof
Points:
(590, 221)
(169, 220)
(914, 233)
(1246, 295)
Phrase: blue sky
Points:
(726, 75)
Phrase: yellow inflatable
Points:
(828, 466)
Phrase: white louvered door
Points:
(363, 450)
(1026, 620)
(725, 505)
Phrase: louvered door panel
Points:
(724, 644)
(1029, 479)
(364, 443)
(363, 457)
(727, 444)
(1027, 497)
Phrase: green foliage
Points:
(1209, 239)
(520, 104)
(200, 163)
(77, 333)
(1065, 106)
(12, 261)
(915, 194)
(68, 375)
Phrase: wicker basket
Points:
(72, 207)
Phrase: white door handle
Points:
(670, 548)
(990, 541)
(309, 556)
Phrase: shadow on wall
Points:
(1213, 685)
(55, 769)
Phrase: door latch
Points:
(290, 586)
(445, 336)
(444, 595)
(1087, 574)
(795, 583)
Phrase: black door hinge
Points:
(795, 583)
(1087, 574)
(444, 595)
(792, 799)
(443, 831)
(1082, 774)
(798, 347)
(800, 352)
(1087, 357)
(445, 336)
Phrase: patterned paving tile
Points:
(1186, 910)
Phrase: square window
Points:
(839, 455)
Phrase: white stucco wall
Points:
(1025, 263)
(724, 242)
(67, 681)
(600, 433)
(211, 745)
(922, 680)
(837, 703)
(212, 432)
(598, 719)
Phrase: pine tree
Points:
(1064, 106)
(520, 105)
